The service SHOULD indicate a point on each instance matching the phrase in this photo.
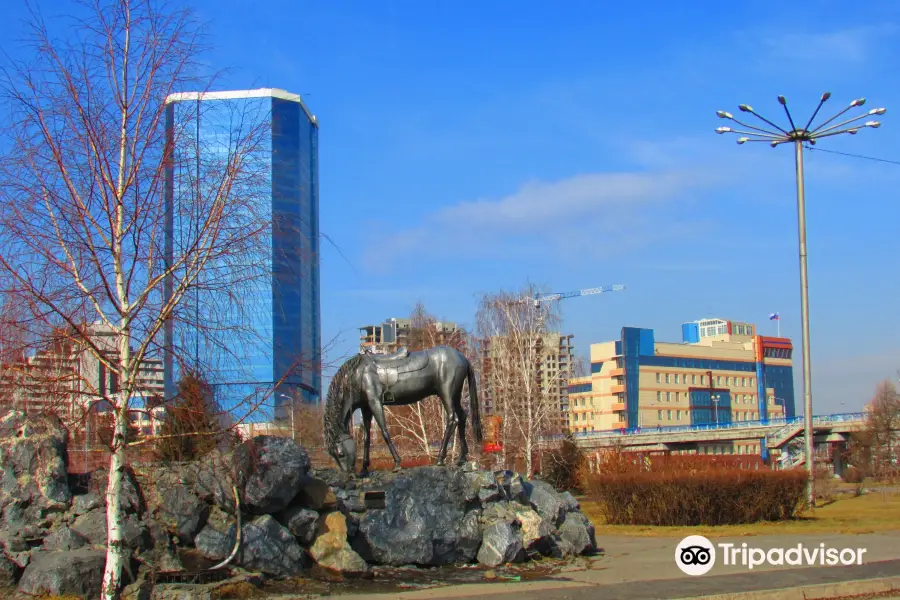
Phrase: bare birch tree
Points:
(82, 209)
(514, 335)
(884, 428)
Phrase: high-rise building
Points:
(67, 379)
(282, 306)
(394, 334)
(721, 372)
(554, 356)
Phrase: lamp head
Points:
(782, 101)
(858, 102)
(723, 114)
(745, 108)
(873, 124)
(723, 129)
(826, 96)
(877, 111)
(742, 140)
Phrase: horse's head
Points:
(344, 453)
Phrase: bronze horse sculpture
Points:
(371, 382)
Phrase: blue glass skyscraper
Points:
(281, 304)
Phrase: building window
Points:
(693, 379)
(676, 396)
(668, 415)
(668, 396)
(703, 380)
(657, 378)
(659, 415)
(676, 378)
(659, 396)
(667, 378)
(751, 381)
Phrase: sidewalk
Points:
(633, 568)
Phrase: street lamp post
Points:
(715, 398)
(293, 431)
(799, 136)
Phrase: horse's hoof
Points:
(397, 469)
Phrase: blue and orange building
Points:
(721, 372)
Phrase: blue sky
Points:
(465, 149)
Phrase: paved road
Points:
(633, 568)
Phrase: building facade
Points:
(281, 307)
(69, 380)
(394, 333)
(555, 359)
(721, 372)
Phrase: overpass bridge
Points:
(777, 432)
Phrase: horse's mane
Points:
(342, 383)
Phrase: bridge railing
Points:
(650, 431)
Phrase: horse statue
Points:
(370, 382)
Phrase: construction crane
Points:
(587, 292)
(538, 299)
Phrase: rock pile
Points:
(291, 516)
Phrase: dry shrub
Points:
(852, 475)
(387, 464)
(689, 490)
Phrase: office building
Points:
(721, 372)
(276, 307)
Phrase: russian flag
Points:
(774, 317)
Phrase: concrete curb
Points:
(843, 589)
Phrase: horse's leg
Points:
(373, 393)
(451, 425)
(461, 428)
(367, 423)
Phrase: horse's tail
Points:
(474, 408)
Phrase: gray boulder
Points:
(33, 461)
(500, 544)
(266, 547)
(570, 504)
(301, 522)
(130, 498)
(8, 571)
(544, 499)
(88, 502)
(422, 523)
(92, 526)
(63, 538)
(219, 472)
(279, 467)
(316, 494)
(181, 510)
(578, 532)
(77, 573)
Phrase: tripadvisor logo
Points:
(696, 555)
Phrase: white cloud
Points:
(847, 45)
(600, 212)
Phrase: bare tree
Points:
(516, 350)
(883, 426)
(83, 213)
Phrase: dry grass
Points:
(237, 590)
(871, 513)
